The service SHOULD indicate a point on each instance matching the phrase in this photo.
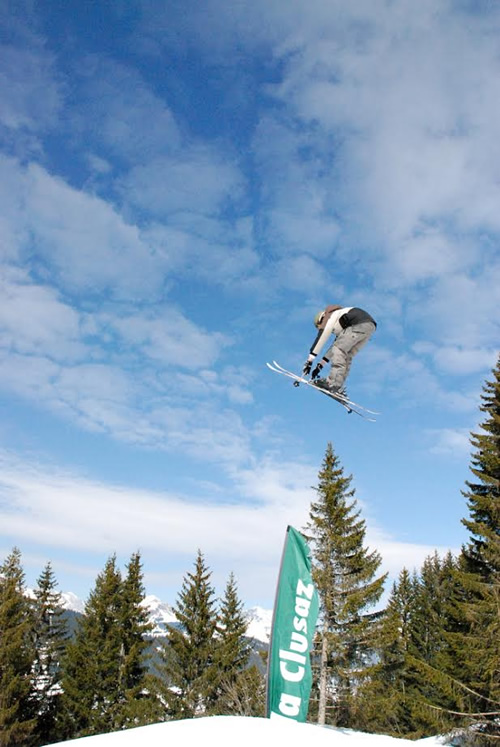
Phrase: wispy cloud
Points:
(463, 309)
(130, 124)
(125, 372)
(165, 336)
(451, 442)
(85, 242)
(176, 206)
(34, 319)
(413, 379)
(458, 360)
(196, 181)
(390, 121)
(66, 511)
(31, 94)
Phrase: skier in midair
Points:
(352, 328)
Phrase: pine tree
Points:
(106, 685)
(189, 654)
(385, 696)
(91, 671)
(480, 576)
(433, 691)
(231, 655)
(344, 574)
(434, 594)
(16, 655)
(140, 704)
(50, 638)
(433, 651)
(482, 554)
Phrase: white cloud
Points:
(65, 511)
(458, 360)
(232, 381)
(150, 409)
(450, 442)
(97, 164)
(391, 99)
(215, 28)
(462, 309)
(302, 273)
(123, 371)
(129, 121)
(412, 380)
(83, 239)
(159, 170)
(197, 180)
(372, 174)
(34, 320)
(92, 385)
(31, 97)
(400, 155)
(206, 248)
(204, 429)
(397, 555)
(167, 337)
(296, 185)
(81, 242)
(428, 255)
(29, 377)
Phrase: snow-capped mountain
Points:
(259, 623)
(162, 614)
(71, 602)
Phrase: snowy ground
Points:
(218, 731)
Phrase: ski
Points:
(338, 397)
(297, 380)
(346, 403)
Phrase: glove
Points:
(319, 367)
(317, 371)
(307, 367)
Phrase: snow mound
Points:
(218, 731)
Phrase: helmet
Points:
(319, 318)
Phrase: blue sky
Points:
(183, 185)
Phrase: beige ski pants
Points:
(347, 344)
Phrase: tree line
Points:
(54, 686)
(427, 663)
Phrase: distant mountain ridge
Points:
(161, 615)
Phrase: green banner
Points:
(289, 675)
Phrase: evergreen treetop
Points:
(50, 638)
(344, 568)
(189, 654)
(233, 649)
(231, 654)
(482, 553)
(480, 571)
(135, 625)
(16, 655)
(344, 572)
(105, 676)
